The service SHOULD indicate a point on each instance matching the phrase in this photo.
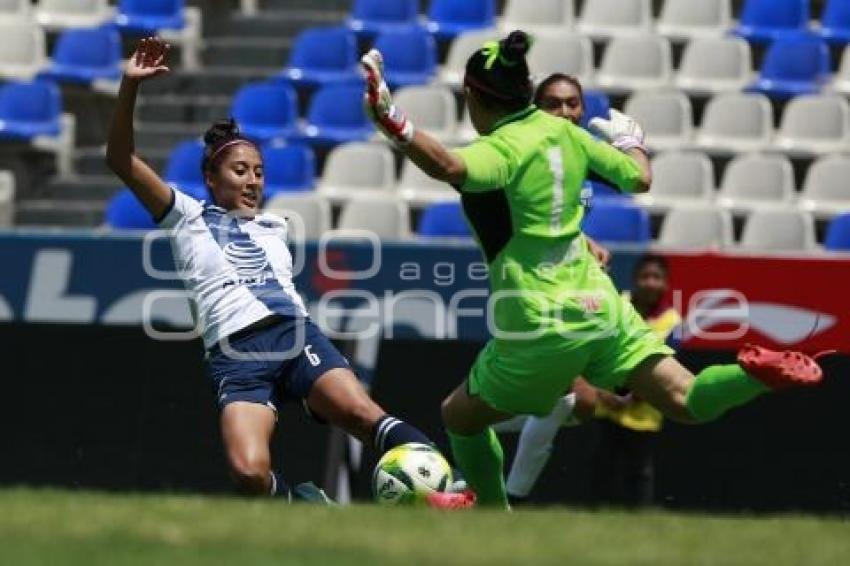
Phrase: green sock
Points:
(717, 389)
(480, 459)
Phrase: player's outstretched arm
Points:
(148, 61)
(625, 134)
(424, 150)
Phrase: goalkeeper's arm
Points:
(624, 133)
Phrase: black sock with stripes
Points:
(391, 432)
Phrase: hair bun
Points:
(220, 131)
(516, 45)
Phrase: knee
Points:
(251, 472)
(453, 419)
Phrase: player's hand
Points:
(379, 102)
(148, 60)
(600, 252)
(620, 130)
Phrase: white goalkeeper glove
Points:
(621, 131)
(379, 102)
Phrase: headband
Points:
(228, 144)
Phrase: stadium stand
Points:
(765, 20)
(596, 104)
(432, 108)
(666, 117)
(815, 124)
(679, 178)
(183, 168)
(384, 216)
(715, 64)
(604, 19)
(460, 50)
(841, 80)
(542, 16)
(736, 123)
(449, 18)
(15, 10)
(617, 221)
(23, 51)
(754, 180)
(336, 116)
(418, 189)
(825, 191)
(691, 19)
(835, 22)
(309, 213)
(30, 109)
(266, 111)
(7, 199)
(86, 56)
(838, 234)
(410, 56)
(794, 66)
(697, 227)
(372, 17)
(357, 168)
(288, 167)
(443, 219)
(125, 212)
(786, 230)
(61, 14)
(322, 56)
(635, 63)
(561, 53)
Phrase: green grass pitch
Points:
(74, 528)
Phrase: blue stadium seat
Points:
(410, 56)
(838, 234)
(766, 20)
(794, 66)
(84, 55)
(444, 219)
(288, 168)
(449, 18)
(617, 221)
(336, 116)
(183, 168)
(596, 104)
(125, 211)
(265, 111)
(143, 17)
(835, 22)
(29, 109)
(602, 190)
(323, 55)
(371, 17)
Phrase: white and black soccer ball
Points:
(408, 473)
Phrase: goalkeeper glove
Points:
(379, 102)
(621, 131)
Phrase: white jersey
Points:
(237, 270)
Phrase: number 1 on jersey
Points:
(556, 165)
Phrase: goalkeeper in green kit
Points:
(552, 312)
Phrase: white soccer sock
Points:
(535, 445)
(511, 425)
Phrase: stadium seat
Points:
(323, 55)
(60, 14)
(715, 64)
(679, 178)
(666, 117)
(825, 191)
(449, 18)
(835, 22)
(561, 53)
(444, 219)
(539, 16)
(691, 19)
(431, 108)
(635, 63)
(357, 168)
(779, 230)
(145, 17)
(288, 167)
(841, 80)
(265, 111)
(183, 168)
(384, 216)
(86, 55)
(736, 123)
(15, 10)
(7, 199)
(600, 191)
(463, 46)
(309, 214)
(762, 21)
(30, 109)
(815, 124)
(794, 66)
(838, 234)
(124, 211)
(22, 50)
(336, 115)
(410, 56)
(617, 221)
(419, 189)
(596, 104)
(604, 19)
(371, 17)
(696, 227)
(755, 180)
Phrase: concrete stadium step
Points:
(271, 52)
(166, 135)
(211, 80)
(281, 22)
(79, 188)
(182, 108)
(55, 213)
(90, 161)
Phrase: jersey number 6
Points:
(314, 359)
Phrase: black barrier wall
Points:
(108, 408)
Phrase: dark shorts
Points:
(278, 362)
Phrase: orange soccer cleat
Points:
(780, 369)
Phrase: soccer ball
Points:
(408, 473)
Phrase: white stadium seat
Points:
(755, 180)
(16, 11)
(355, 168)
(679, 178)
(635, 63)
(561, 53)
(666, 117)
(538, 16)
(431, 108)
(309, 214)
(690, 19)
(779, 230)
(385, 216)
(23, 51)
(7, 199)
(460, 50)
(736, 123)
(604, 19)
(57, 14)
(717, 64)
(826, 190)
(419, 189)
(696, 227)
(841, 81)
(815, 124)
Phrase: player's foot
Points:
(308, 492)
(779, 369)
(447, 500)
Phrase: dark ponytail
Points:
(498, 72)
(219, 135)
